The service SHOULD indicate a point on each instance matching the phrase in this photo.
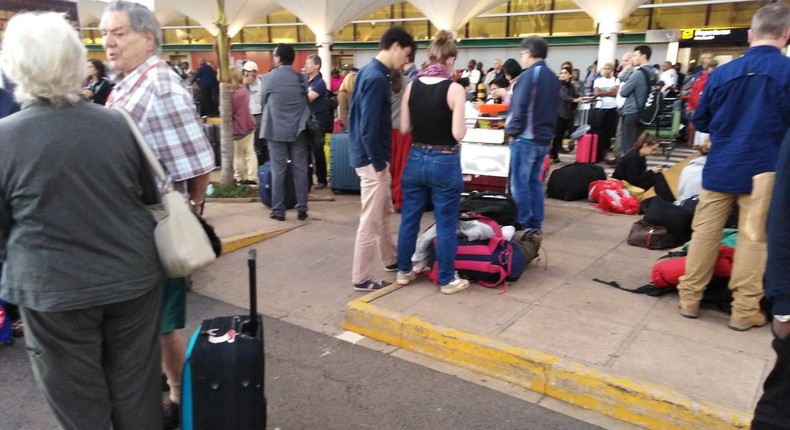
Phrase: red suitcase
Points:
(587, 148)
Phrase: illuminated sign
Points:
(713, 34)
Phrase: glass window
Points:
(487, 27)
(637, 22)
(200, 35)
(345, 34)
(418, 29)
(255, 34)
(679, 17)
(522, 26)
(371, 32)
(305, 34)
(383, 13)
(530, 5)
(284, 34)
(406, 10)
(732, 14)
(573, 23)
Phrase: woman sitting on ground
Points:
(632, 167)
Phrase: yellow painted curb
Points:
(641, 403)
(240, 241)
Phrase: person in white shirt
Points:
(668, 76)
(605, 113)
(473, 74)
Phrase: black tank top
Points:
(431, 118)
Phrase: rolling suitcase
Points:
(265, 185)
(587, 148)
(344, 177)
(223, 385)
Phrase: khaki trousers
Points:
(746, 281)
(374, 223)
(245, 162)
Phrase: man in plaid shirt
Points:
(157, 98)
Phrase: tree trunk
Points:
(225, 108)
(226, 134)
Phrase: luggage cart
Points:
(485, 160)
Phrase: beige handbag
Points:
(760, 204)
(182, 242)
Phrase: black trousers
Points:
(319, 160)
(605, 126)
(772, 411)
(563, 125)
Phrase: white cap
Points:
(250, 66)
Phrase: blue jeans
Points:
(431, 173)
(526, 164)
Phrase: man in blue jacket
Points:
(746, 109)
(530, 128)
(370, 138)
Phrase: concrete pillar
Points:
(608, 43)
(323, 43)
(672, 52)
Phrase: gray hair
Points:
(771, 21)
(44, 56)
(141, 19)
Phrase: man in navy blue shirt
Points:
(316, 94)
(370, 137)
(206, 78)
(530, 128)
(746, 109)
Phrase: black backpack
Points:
(571, 182)
(500, 207)
(652, 106)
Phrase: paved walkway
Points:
(555, 332)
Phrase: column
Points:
(608, 42)
(323, 43)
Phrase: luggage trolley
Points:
(485, 160)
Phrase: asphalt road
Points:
(314, 381)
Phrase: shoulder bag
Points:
(182, 239)
(314, 128)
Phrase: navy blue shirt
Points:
(533, 105)
(206, 77)
(370, 117)
(318, 106)
(746, 109)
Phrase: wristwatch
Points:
(782, 318)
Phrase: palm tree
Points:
(225, 108)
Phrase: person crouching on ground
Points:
(632, 167)
(432, 109)
(80, 257)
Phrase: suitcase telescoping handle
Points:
(253, 292)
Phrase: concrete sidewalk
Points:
(556, 332)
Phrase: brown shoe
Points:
(743, 324)
(689, 310)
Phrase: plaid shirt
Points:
(163, 107)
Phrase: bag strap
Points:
(148, 153)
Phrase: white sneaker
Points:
(404, 278)
(455, 286)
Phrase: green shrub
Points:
(231, 191)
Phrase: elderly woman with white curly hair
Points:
(80, 258)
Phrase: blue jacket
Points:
(777, 271)
(533, 106)
(746, 109)
(206, 77)
(369, 118)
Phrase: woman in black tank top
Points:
(433, 110)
